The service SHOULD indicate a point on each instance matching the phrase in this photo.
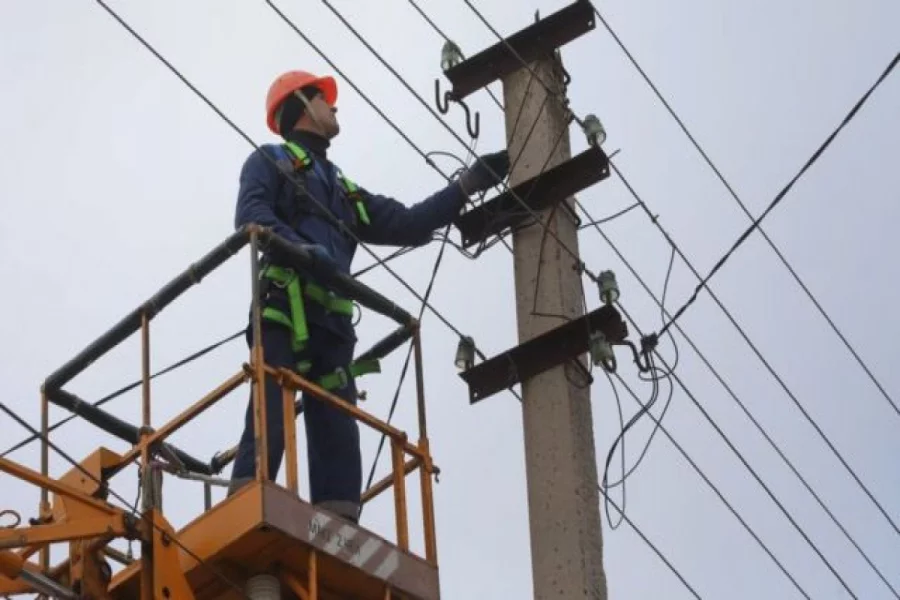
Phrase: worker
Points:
(305, 327)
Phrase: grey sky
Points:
(117, 177)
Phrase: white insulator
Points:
(263, 587)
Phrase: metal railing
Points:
(147, 441)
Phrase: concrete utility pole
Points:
(561, 466)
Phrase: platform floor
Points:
(265, 527)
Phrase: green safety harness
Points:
(289, 280)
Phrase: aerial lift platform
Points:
(262, 542)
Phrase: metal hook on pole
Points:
(443, 105)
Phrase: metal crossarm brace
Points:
(543, 352)
(540, 192)
(533, 42)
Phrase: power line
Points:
(755, 475)
(743, 407)
(740, 202)
(606, 219)
(653, 547)
(134, 511)
(129, 387)
(759, 355)
(712, 486)
(784, 192)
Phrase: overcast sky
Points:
(116, 177)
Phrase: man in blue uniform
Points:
(306, 328)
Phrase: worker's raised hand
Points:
(489, 170)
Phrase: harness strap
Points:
(328, 299)
(303, 161)
(355, 196)
(340, 377)
(288, 280)
(296, 322)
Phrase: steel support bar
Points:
(543, 352)
(391, 342)
(385, 483)
(540, 192)
(92, 527)
(157, 437)
(118, 428)
(132, 322)
(534, 42)
(294, 381)
(57, 487)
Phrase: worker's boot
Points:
(343, 508)
(237, 483)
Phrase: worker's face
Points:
(321, 118)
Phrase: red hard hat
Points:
(287, 83)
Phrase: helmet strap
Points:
(312, 115)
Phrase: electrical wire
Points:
(745, 410)
(603, 486)
(747, 212)
(546, 227)
(715, 490)
(134, 510)
(646, 409)
(403, 372)
(611, 217)
(620, 439)
(778, 198)
(662, 308)
(395, 254)
(760, 356)
(653, 547)
(189, 358)
(743, 460)
(405, 369)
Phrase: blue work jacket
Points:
(268, 198)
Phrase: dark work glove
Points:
(479, 177)
(322, 257)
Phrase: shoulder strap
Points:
(356, 198)
(294, 158)
(299, 157)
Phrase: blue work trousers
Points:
(332, 437)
